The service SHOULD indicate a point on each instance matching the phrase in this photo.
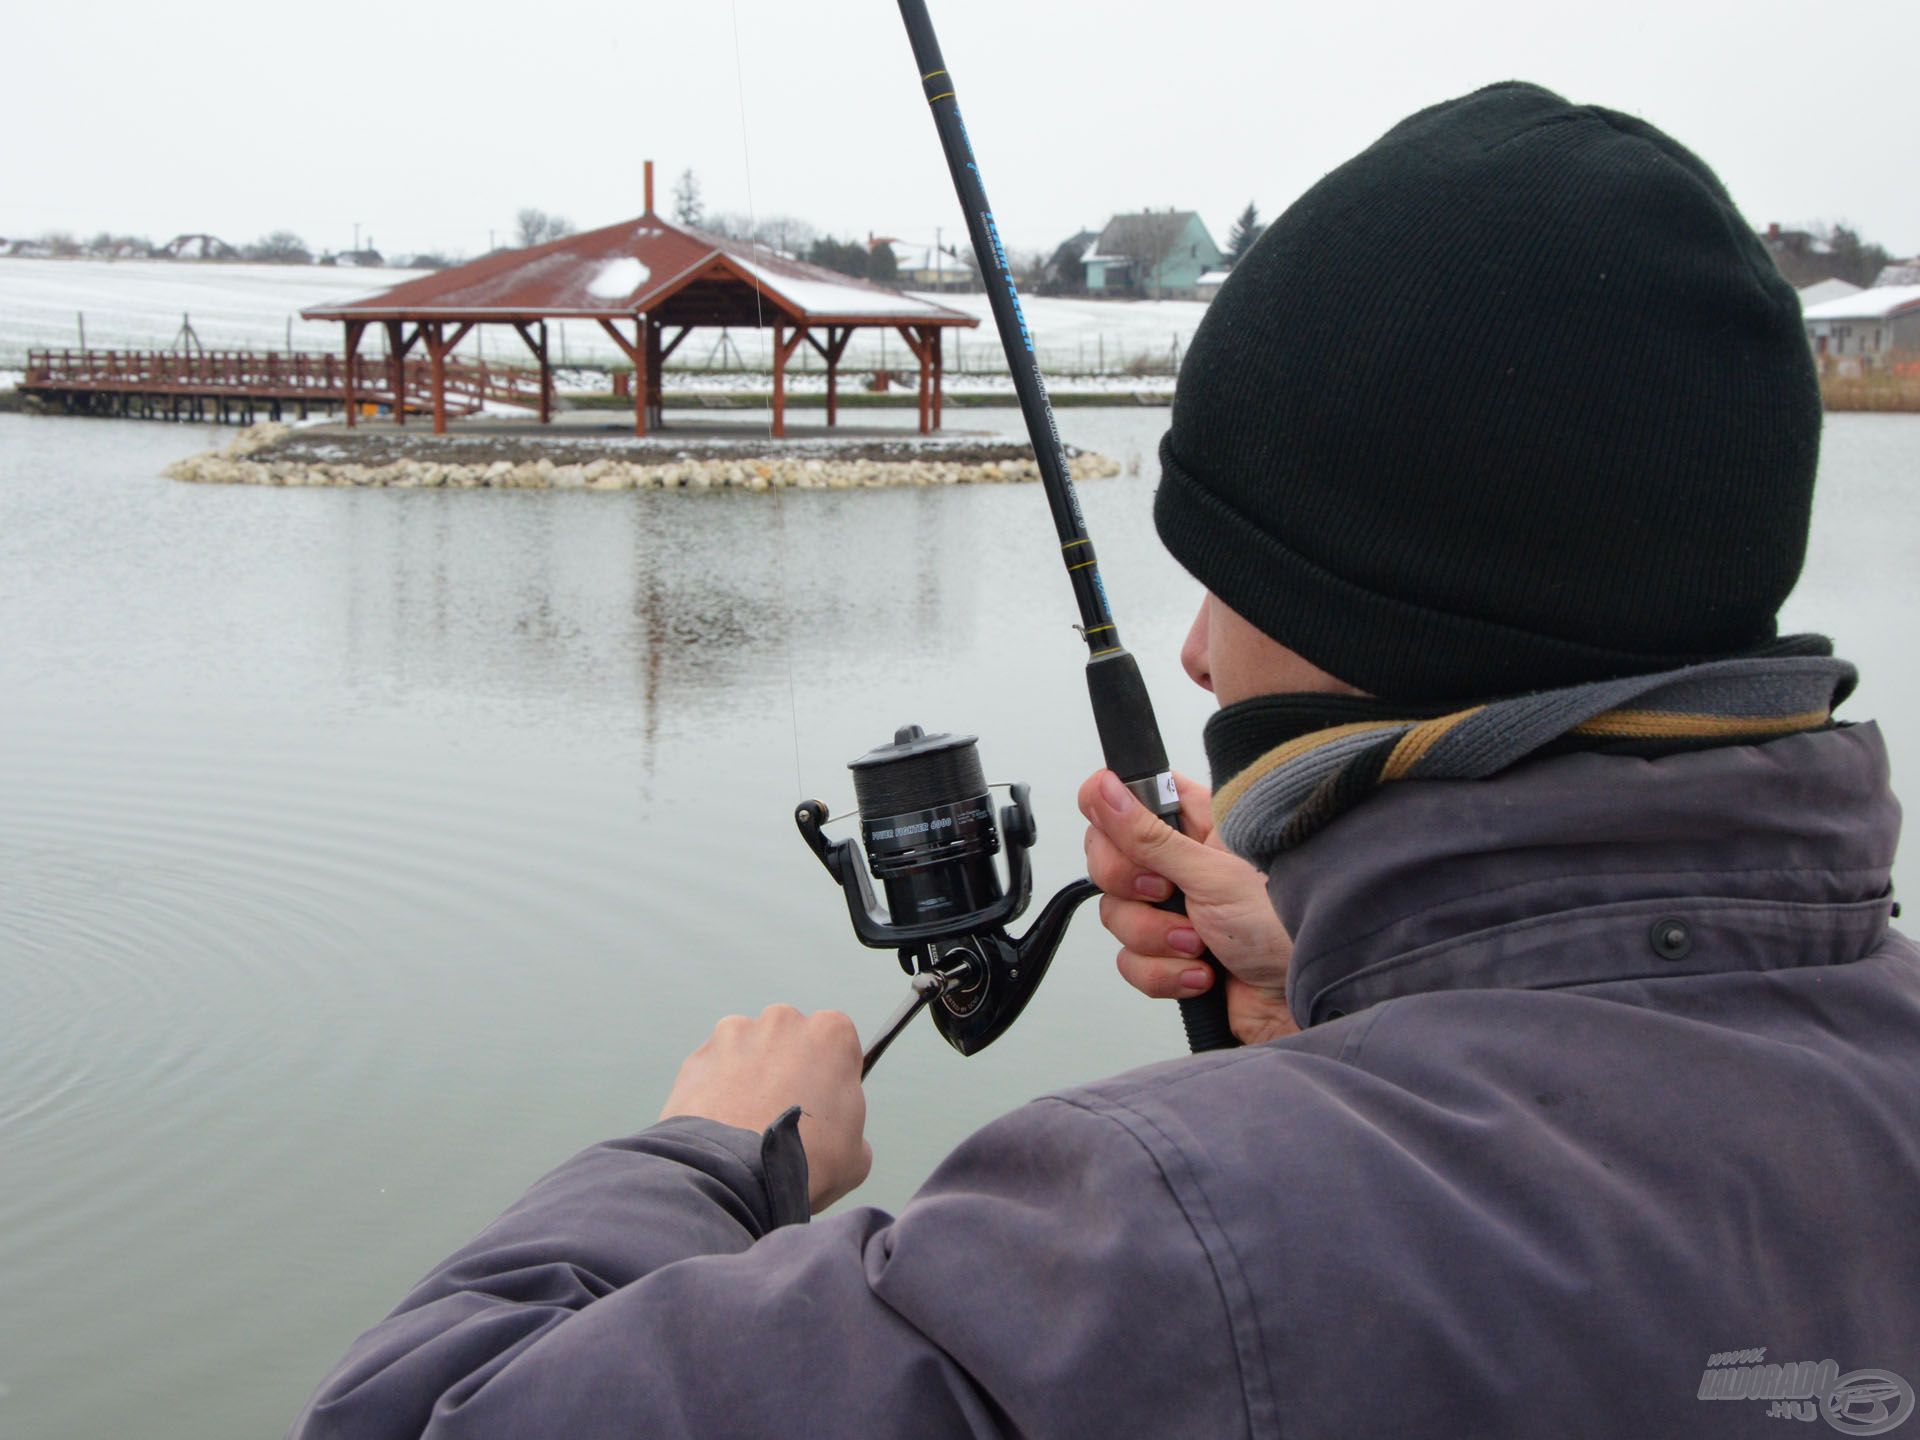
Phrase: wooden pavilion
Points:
(641, 279)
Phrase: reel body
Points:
(929, 836)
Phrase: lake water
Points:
(363, 854)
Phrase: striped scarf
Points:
(1273, 801)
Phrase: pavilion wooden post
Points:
(921, 345)
(655, 363)
(779, 382)
(939, 338)
(396, 371)
(546, 379)
(831, 352)
(437, 369)
(539, 348)
(642, 373)
(783, 349)
(354, 327)
(636, 351)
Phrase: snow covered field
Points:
(141, 303)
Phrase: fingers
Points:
(1196, 807)
(1139, 926)
(1149, 846)
(1135, 831)
(835, 1033)
(1119, 876)
(1161, 977)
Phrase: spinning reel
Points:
(927, 826)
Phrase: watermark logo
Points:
(1860, 1402)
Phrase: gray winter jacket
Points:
(1613, 1072)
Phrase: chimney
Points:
(649, 187)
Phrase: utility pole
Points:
(356, 239)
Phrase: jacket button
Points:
(1672, 940)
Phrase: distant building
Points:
(1210, 283)
(365, 259)
(1066, 269)
(1900, 272)
(1800, 255)
(930, 267)
(1822, 291)
(1873, 329)
(1159, 254)
(197, 247)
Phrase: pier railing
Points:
(276, 375)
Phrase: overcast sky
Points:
(431, 123)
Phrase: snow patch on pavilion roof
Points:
(617, 279)
(636, 266)
(817, 296)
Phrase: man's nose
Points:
(1194, 658)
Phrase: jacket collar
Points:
(1559, 871)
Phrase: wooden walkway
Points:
(244, 385)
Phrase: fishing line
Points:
(760, 324)
(849, 814)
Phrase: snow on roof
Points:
(917, 256)
(1900, 272)
(618, 278)
(1822, 291)
(827, 297)
(636, 265)
(1215, 277)
(1882, 302)
(1143, 229)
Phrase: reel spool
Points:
(929, 836)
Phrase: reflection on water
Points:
(362, 853)
(661, 604)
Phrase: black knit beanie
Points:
(1511, 400)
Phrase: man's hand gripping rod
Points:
(1129, 733)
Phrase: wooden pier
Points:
(243, 385)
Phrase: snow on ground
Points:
(140, 303)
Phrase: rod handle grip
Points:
(1203, 1016)
(1130, 741)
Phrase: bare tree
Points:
(687, 208)
(282, 247)
(109, 246)
(1144, 241)
(784, 233)
(536, 227)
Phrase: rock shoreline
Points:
(272, 454)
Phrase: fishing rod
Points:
(1122, 711)
(926, 825)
